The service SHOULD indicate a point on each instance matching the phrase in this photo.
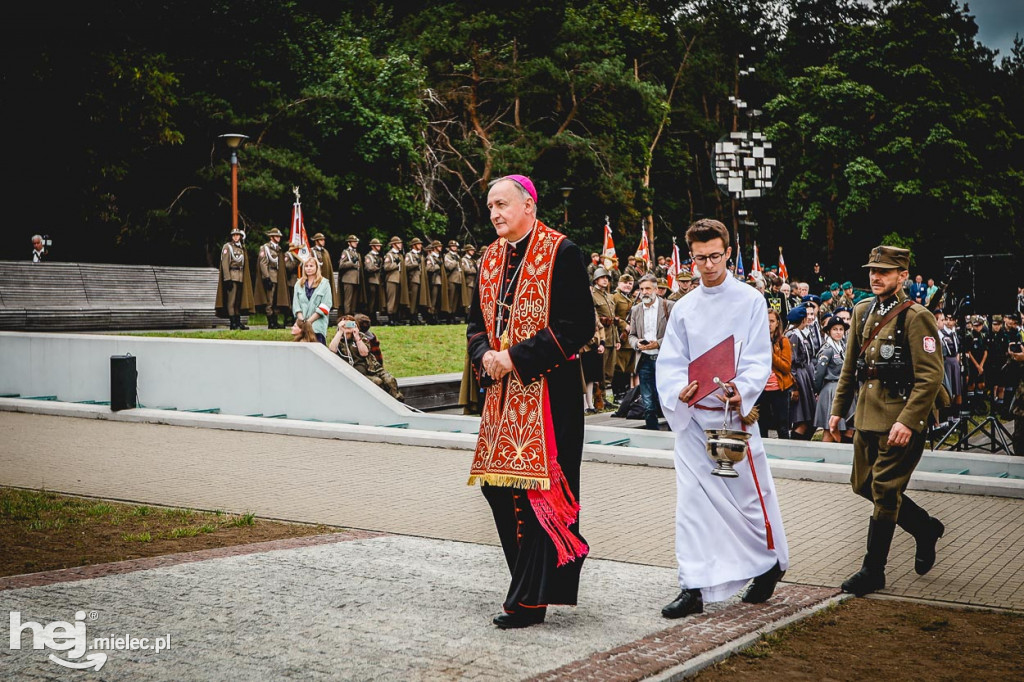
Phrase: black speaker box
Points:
(124, 379)
(985, 282)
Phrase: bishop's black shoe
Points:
(523, 618)
(688, 601)
(763, 586)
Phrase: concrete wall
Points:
(302, 380)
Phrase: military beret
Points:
(847, 284)
(796, 314)
(826, 296)
(834, 285)
(811, 298)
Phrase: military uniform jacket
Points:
(434, 268)
(393, 266)
(469, 271)
(269, 261)
(605, 306)
(877, 407)
(233, 262)
(451, 264)
(372, 264)
(349, 270)
(412, 265)
(623, 304)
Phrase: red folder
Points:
(719, 361)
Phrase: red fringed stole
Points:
(557, 508)
(516, 445)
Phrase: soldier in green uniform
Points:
(469, 268)
(625, 358)
(323, 256)
(351, 277)
(269, 263)
(234, 288)
(373, 266)
(604, 303)
(894, 354)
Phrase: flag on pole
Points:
(673, 267)
(756, 266)
(783, 272)
(740, 273)
(608, 250)
(643, 251)
(298, 242)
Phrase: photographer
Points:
(351, 345)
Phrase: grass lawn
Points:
(408, 351)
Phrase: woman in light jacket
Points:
(312, 300)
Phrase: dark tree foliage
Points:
(891, 122)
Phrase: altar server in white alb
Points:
(728, 530)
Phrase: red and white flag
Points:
(783, 272)
(644, 250)
(608, 250)
(298, 242)
(756, 266)
(673, 267)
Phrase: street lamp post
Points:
(234, 141)
(565, 204)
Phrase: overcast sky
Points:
(998, 21)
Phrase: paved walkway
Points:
(421, 492)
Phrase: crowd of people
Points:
(809, 335)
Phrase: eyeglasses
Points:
(715, 258)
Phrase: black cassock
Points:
(530, 553)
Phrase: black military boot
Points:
(239, 319)
(272, 321)
(234, 322)
(871, 576)
(926, 531)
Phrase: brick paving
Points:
(418, 491)
(695, 635)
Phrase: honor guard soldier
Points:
(323, 257)
(414, 266)
(291, 276)
(234, 290)
(469, 268)
(894, 369)
(395, 280)
(269, 263)
(437, 281)
(457, 301)
(373, 268)
(605, 306)
(625, 358)
(350, 276)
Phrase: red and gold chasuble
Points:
(516, 445)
